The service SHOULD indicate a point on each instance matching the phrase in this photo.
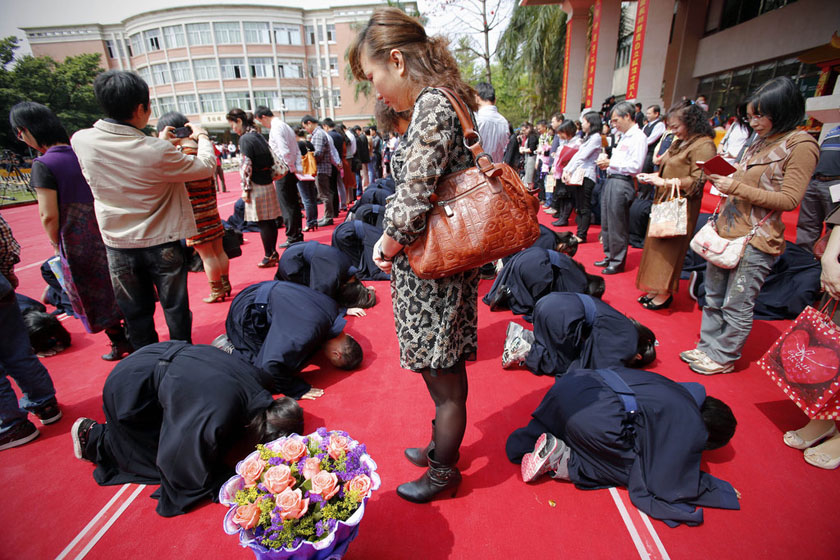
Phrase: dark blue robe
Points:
(377, 193)
(546, 240)
(373, 214)
(356, 240)
(565, 338)
(181, 425)
(533, 273)
(655, 454)
(280, 336)
(321, 267)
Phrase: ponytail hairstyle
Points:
(428, 61)
(247, 119)
(282, 417)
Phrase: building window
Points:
(296, 102)
(261, 67)
(331, 33)
(336, 98)
(199, 34)
(211, 103)
(257, 33)
(152, 39)
(270, 99)
(188, 105)
(181, 71)
(334, 65)
(313, 68)
(625, 46)
(290, 69)
(145, 74)
(227, 33)
(173, 36)
(153, 103)
(167, 105)
(109, 46)
(240, 99)
(735, 12)
(232, 68)
(206, 69)
(160, 74)
(136, 44)
(287, 34)
(311, 35)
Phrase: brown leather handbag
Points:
(479, 214)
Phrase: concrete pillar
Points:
(654, 51)
(576, 43)
(607, 46)
(689, 24)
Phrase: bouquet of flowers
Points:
(300, 496)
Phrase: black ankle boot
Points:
(438, 478)
(119, 350)
(418, 455)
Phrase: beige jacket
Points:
(138, 184)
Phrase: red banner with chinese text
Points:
(566, 50)
(636, 53)
(593, 54)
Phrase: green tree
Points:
(533, 46)
(65, 87)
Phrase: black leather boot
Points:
(418, 455)
(438, 478)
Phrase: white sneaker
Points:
(518, 341)
(693, 355)
(708, 366)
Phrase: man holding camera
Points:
(142, 205)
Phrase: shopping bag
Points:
(805, 363)
(669, 216)
(550, 182)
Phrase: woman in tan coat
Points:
(662, 258)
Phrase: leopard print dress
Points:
(436, 320)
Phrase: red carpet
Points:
(788, 507)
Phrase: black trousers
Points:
(287, 196)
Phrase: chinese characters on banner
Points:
(636, 53)
(593, 53)
(566, 50)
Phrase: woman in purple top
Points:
(65, 204)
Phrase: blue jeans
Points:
(18, 362)
(309, 196)
(135, 274)
(730, 300)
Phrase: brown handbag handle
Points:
(483, 160)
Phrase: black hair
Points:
(542, 122)
(45, 331)
(693, 117)
(373, 128)
(120, 93)
(638, 106)
(354, 294)
(172, 118)
(656, 109)
(351, 354)
(41, 123)
(262, 111)
(282, 417)
(741, 116)
(719, 421)
(357, 129)
(567, 243)
(645, 347)
(781, 101)
(299, 131)
(595, 122)
(623, 109)
(308, 119)
(237, 114)
(486, 92)
(328, 122)
(568, 128)
(595, 286)
(560, 117)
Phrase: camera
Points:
(182, 132)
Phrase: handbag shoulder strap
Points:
(482, 159)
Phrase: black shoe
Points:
(19, 434)
(612, 270)
(437, 479)
(325, 222)
(560, 223)
(644, 299)
(602, 263)
(656, 307)
(289, 243)
(80, 432)
(420, 455)
(48, 413)
(119, 350)
(500, 298)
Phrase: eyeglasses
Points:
(755, 117)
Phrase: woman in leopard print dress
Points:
(436, 320)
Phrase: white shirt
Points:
(284, 144)
(656, 133)
(629, 154)
(493, 129)
(351, 145)
(733, 141)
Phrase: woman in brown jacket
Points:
(662, 258)
(771, 179)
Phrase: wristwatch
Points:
(382, 255)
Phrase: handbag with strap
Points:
(669, 216)
(478, 215)
(577, 177)
(723, 253)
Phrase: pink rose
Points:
(311, 467)
(292, 449)
(251, 469)
(278, 478)
(247, 516)
(326, 484)
(361, 484)
(338, 446)
(292, 504)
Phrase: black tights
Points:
(449, 393)
(268, 234)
